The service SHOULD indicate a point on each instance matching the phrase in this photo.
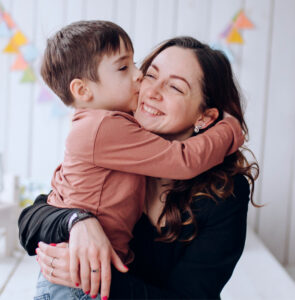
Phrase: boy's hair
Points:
(75, 52)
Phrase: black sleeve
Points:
(207, 262)
(43, 222)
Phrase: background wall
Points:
(32, 135)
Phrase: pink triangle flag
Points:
(226, 32)
(242, 22)
(7, 18)
(19, 63)
(45, 96)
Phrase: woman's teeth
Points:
(151, 110)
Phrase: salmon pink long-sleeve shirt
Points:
(107, 156)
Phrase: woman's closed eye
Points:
(177, 89)
(150, 75)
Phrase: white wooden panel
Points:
(46, 150)
(99, 9)
(193, 18)
(125, 15)
(75, 10)
(279, 134)
(291, 230)
(144, 36)
(166, 20)
(254, 81)
(20, 99)
(5, 63)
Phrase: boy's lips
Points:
(151, 110)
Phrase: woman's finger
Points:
(51, 250)
(85, 274)
(95, 278)
(117, 262)
(105, 278)
(74, 267)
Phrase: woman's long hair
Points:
(219, 91)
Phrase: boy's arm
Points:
(124, 146)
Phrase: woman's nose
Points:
(154, 92)
(138, 75)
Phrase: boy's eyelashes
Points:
(123, 68)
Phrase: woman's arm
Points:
(43, 222)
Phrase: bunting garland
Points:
(26, 53)
(19, 45)
(232, 34)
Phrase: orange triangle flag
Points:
(7, 18)
(242, 22)
(20, 63)
(234, 37)
(11, 48)
(19, 39)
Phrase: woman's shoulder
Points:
(206, 207)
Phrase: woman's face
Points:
(170, 95)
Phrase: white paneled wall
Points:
(32, 141)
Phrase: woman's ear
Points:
(207, 118)
(80, 90)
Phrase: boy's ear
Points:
(207, 118)
(80, 90)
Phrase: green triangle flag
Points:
(28, 76)
(1, 8)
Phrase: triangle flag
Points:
(11, 48)
(29, 52)
(226, 51)
(45, 95)
(234, 37)
(28, 76)
(19, 39)
(19, 64)
(227, 30)
(4, 30)
(7, 18)
(242, 22)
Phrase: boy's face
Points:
(119, 82)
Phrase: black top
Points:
(177, 270)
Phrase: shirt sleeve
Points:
(124, 146)
(43, 222)
(207, 262)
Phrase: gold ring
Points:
(51, 263)
(51, 272)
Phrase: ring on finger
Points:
(51, 272)
(51, 263)
(95, 270)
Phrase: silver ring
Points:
(51, 272)
(51, 263)
(95, 270)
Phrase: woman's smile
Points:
(150, 110)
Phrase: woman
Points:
(192, 233)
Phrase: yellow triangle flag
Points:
(19, 64)
(242, 22)
(19, 39)
(234, 37)
(28, 76)
(11, 48)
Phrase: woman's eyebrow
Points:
(172, 76)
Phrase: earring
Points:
(198, 127)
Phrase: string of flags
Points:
(232, 34)
(25, 54)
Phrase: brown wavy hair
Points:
(219, 91)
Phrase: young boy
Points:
(89, 65)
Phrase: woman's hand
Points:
(89, 249)
(54, 260)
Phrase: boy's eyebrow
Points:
(172, 76)
(121, 58)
